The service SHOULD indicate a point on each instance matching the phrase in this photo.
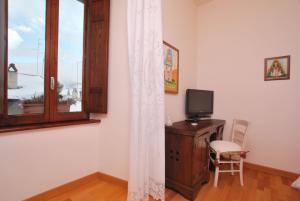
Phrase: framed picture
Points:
(171, 68)
(277, 68)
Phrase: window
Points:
(70, 55)
(53, 60)
(25, 57)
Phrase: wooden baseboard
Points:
(75, 184)
(112, 179)
(104, 177)
(272, 171)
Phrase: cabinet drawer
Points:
(201, 132)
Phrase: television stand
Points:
(187, 154)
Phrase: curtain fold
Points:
(147, 139)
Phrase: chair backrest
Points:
(239, 130)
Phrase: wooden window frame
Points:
(15, 120)
(95, 63)
(54, 114)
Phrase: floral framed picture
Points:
(277, 68)
(171, 68)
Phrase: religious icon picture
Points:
(277, 68)
(171, 68)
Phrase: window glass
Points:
(26, 56)
(70, 55)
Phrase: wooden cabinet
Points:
(187, 156)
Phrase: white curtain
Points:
(147, 140)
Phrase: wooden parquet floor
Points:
(258, 186)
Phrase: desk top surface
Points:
(202, 124)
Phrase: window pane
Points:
(26, 56)
(70, 55)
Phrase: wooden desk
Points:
(187, 155)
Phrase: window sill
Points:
(47, 125)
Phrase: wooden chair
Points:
(230, 152)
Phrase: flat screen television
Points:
(199, 104)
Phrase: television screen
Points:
(199, 103)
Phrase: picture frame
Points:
(171, 68)
(277, 68)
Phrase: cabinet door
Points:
(200, 157)
(179, 158)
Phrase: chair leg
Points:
(231, 167)
(241, 173)
(217, 170)
(216, 177)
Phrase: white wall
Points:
(35, 161)
(179, 20)
(114, 129)
(234, 37)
